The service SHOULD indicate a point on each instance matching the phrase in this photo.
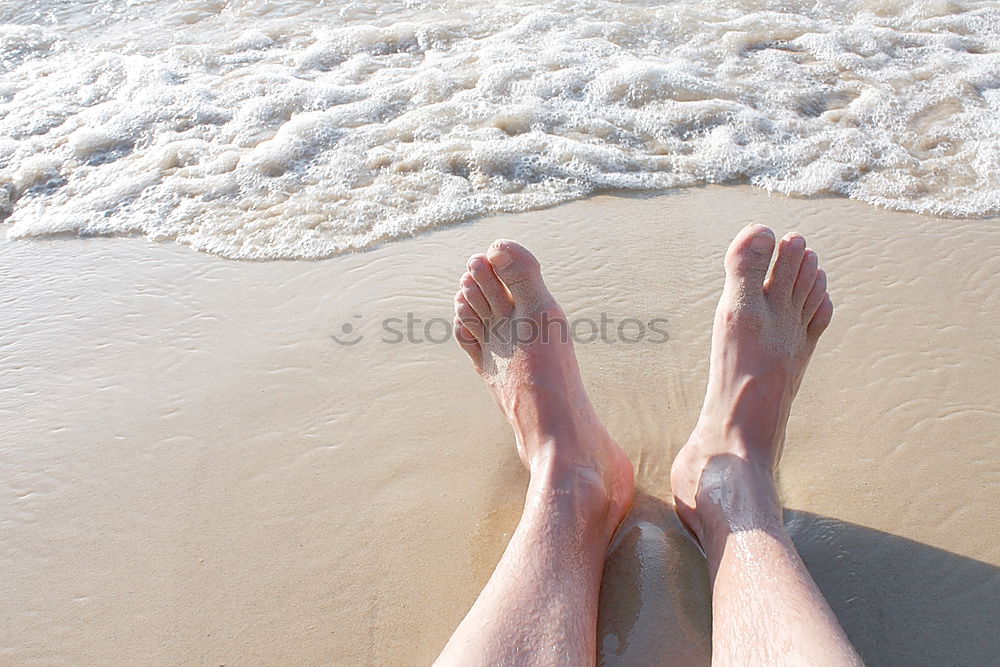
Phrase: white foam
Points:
(296, 130)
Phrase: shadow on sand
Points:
(901, 602)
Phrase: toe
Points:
(791, 250)
(467, 341)
(494, 291)
(475, 296)
(815, 297)
(748, 258)
(821, 320)
(518, 269)
(806, 278)
(468, 316)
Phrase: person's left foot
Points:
(518, 338)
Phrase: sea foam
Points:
(301, 129)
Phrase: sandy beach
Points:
(195, 471)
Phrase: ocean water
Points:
(307, 128)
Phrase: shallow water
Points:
(193, 471)
(298, 128)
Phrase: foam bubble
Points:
(290, 130)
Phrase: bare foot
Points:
(766, 328)
(518, 339)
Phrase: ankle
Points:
(735, 495)
(572, 494)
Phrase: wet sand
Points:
(194, 471)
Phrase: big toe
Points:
(747, 259)
(518, 269)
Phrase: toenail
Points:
(501, 258)
(477, 264)
(797, 241)
(760, 242)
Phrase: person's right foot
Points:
(766, 328)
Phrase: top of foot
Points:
(766, 327)
(517, 336)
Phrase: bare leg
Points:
(540, 605)
(766, 609)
